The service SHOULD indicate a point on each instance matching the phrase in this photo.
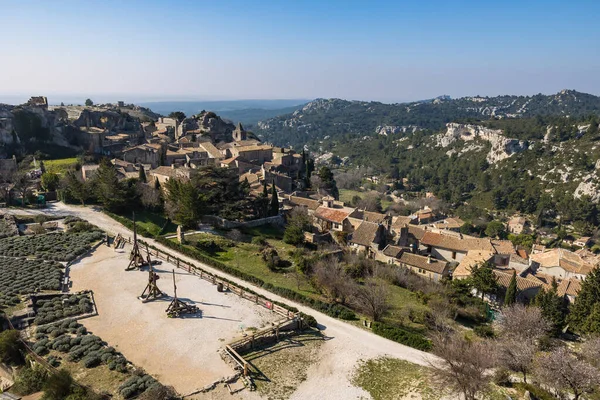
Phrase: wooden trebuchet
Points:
(151, 292)
(136, 260)
(178, 307)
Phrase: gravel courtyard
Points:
(181, 352)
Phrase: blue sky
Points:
(376, 50)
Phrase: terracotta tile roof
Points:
(517, 221)
(302, 201)
(255, 147)
(503, 246)
(449, 223)
(523, 253)
(368, 216)
(229, 160)
(565, 259)
(518, 259)
(165, 171)
(455, 243)
(400, 221)
(473, 257)
(432, 265)
(145, 146)
(365, 234)
(337, 215)
(416, 231)
(392, 251)
(504, 278)
(212, 151)
(569, 287)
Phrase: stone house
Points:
(561, 264)
(147, 153)
(311, 205)
(527, 288)
(163, 174)
(517, 225)
(569, 288)
(390, 254)
(331, 216)
(425, 266)
(453, 248)
(582, 241)
(451, 224)
(358, 216)
(88, 171)
(368, 239)
(258, 153)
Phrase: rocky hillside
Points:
(324, 119)
(59, 131)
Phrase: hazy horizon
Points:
(386, 51)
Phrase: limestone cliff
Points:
(501, 147)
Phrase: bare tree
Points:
(463, 364)
(565, 372)
(370, 202)
(372, 298)
(517, 355)
(590, 350)
(331, 278)
(520, 322)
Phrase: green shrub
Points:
(402, 336)
(11, 347)
(484, 331)
(536, 391)
(309, 320)
(30, 380)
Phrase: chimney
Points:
(173, 166)
(429, 259)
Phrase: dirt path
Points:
(329, 378)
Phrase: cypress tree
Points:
(42, 167)
(274, 201)
(142, 176)
(265, 191)
(156, 184)
(511, 293)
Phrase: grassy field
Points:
(390, 378)
(60, 166)
(405, 305)
(245, 256)
(346, 195)
(152, 222)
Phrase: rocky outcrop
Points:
(208, 124)
(392, 129)
(501, 147)
(589, 185)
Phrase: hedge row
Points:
(129, 224)
(333, 310)
(400, 335)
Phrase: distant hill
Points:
(335, 118)
(244, 111)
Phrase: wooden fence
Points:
(215, 280)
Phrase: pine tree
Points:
(483, 279)
(585, 315)
(274, 201)
(511, 293)
(142, 176)
(553, 307)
